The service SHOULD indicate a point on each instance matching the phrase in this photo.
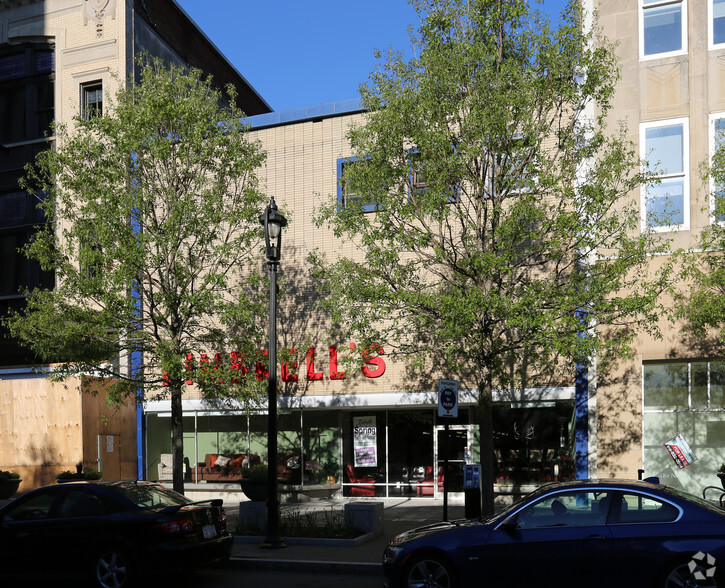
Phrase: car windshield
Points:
(150, 496)
(506, 512)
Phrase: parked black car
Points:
(581, 533)
(112, 532)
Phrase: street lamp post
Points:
(273, 222)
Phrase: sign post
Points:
(447, 409)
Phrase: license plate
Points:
(209, 531)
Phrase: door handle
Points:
(596, 538)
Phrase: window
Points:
(717, 22)
(35, 507)
(666, 386)
(27, 100)
(684, 386)
(91, 261)
(13, 66)
(663, 27)
(665, 148)
(717, 190)
(419, 184)
(418, 181)
(686, 398)
(77, 502)
(91, 100)
(582, 508)
(639, 508)
(346, 197)
(27, 93)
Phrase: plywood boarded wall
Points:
(48, 427)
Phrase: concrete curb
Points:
(291, 565)
(315, 541)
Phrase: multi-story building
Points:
(379, 423)
(377, 428)
(669, 398)
(60, 59)
(672, 97)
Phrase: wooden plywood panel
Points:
(119, 422)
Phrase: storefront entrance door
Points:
(457, 447)
(109, 454)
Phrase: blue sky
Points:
(302, 53)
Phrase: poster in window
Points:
(365, 441)
(680, 451)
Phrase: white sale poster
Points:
(365, 441)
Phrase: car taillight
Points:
(178, 527)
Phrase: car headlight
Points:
(391, 554)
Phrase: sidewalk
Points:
(329, 555)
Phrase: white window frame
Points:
(685, 174)
(715, 116)
(683, 32)
(711, 28)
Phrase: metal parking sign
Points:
(448, 399)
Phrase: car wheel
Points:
(430, 572)
(691, 574)
(112, 568)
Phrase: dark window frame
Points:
(344, 197)
(91, 99)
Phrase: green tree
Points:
(152, 230)
(701, 303)
(493, 213)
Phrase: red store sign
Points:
(374, 366)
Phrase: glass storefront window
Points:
(698, 393)
(410, 450)
(684, 398)
(666, 386)
(380, 453)
(258, 436)
(717, 385)
(534, 444)
(289, 440)
(364, 454)
(321, 443)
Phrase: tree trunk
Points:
(177, 439)
(485, 431)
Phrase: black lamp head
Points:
(272, 221)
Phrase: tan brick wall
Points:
(301, 174)
(690, 85)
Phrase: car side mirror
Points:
(510, 524)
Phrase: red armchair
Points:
(425, 486)
(362, 485)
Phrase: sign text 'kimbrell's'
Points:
(374, 366)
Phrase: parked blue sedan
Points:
(582, 533)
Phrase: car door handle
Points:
(595, 538)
